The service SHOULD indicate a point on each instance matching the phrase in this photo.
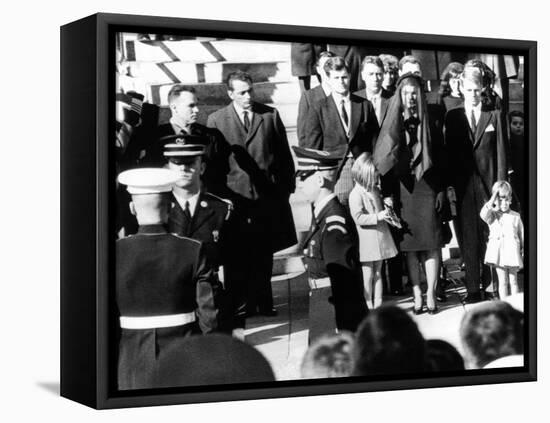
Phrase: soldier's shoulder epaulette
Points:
(227, 203)
(194, 241)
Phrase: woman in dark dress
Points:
(409, 156)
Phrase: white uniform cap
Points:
(148, 180)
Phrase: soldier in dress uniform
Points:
(202, 216)
(164, 288)
(331, 253)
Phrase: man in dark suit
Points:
(184, 108)
(476, 145)
(343, 124)
(320, 92)
(331, 252)
(372, 72)
(209, 219)
(164, 288)
(262, 174)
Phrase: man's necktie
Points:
(187, 223)
(473, 122)
(344, 113)
(246, 121)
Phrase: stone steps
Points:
(205, 50)
(209, 72)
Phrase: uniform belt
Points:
(154, 322)
(319, 283)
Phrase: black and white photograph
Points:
(309, 211)
(274, 211)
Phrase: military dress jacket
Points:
(159, 274)
(331, 250)
(209, 224)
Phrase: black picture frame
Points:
(87, 167)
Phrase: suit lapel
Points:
(356, 112)
(484, 119)
(235, 125)
(383, 108)
(333, 111)
(177, 218)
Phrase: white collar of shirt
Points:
(477, 112)
(321, 205)
(192, 201)
(176, 126)
(240, 112)
(373, 97)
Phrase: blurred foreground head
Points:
(329, 356)
(388, 342)
(490, 331)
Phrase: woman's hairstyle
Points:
(453, 70)
(363, 171)
(389, 342)
(503, 188)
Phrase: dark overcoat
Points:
(261, 171)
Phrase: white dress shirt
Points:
(477, 113)
(240, 112)
(347, 106)
(192, 201)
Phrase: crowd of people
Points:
(203, 208)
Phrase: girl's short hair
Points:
(363, 171)
(503, 187)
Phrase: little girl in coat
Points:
(505, 244)
(375, 240)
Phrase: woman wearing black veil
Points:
(408, 155)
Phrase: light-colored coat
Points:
(505, 244)
(375, 240)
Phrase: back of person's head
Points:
(238, 75)
(490, 331)
(176, 91)
(442, 356)
(364, 172)
(388, 342)
(328, 356)
(335, 63)
(211, 360)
